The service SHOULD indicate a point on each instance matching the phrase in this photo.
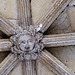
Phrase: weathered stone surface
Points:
(43, 70)
(71, 14)
(17, 70)
(27, 43)
(62, 25)
(65, 55)
(39, 7)
(8, 8)
(72, 3)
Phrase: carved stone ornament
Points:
(27, 43)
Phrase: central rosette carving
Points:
(27, 43)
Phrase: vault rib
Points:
(48, 18)
(59, 40)
(6, 26)
(5, 45)
(29, 67)
(8, 64)
(49, 60)
(24, 13)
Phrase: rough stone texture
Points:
(65, 55)
(65, 23)
(61, 24)
(43, 70)
(72, 3)
(8, 8)
(39, 7)
(27, 43)
(17, 70)
(71, 14)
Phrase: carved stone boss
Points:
(27, 43)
